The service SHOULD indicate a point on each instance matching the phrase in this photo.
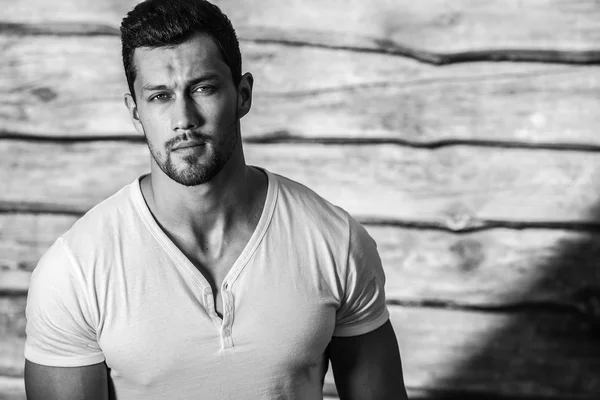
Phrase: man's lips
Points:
(188, 144)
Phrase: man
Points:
(207, 278)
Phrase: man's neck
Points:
(207, 213)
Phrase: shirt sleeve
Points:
(60, 328)
(363, 307)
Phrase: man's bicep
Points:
(66, 383)
(368, 366)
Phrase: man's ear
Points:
(134, 113)
(245, 94)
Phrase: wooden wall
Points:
(463, 134)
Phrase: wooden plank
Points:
(457, 187)
(25, 237)
(12, 335)
(501, 353)
(432, 25)
(493, 268)
(11, 355)
(311, 93)
(12, 388)
(23, 240)
(527, 353)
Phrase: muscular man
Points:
(207, 278)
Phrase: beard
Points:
(195, 169)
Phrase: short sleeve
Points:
(60, 329)
(363, 308)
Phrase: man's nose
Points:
(186, 115)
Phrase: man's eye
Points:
(159, 97)
(206, 89)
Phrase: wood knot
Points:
(469, 252)
(459, 217)
(45, 94)
(448, 19)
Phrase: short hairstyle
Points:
(167, 23)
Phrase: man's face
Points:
(187, 109)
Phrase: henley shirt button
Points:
(226, 332)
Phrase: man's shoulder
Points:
(307, 206)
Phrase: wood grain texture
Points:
(432, 25)
(12, 334)
(458, 187)
(501, 353)
(57, 87)
(494, 268)
(25, 237)
(12, 388)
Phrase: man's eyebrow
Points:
(207, 77)
(149, 88)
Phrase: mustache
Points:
(187, 137)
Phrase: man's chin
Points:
(195, 177)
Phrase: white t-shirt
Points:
(115, 288)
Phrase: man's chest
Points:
(215, 267)
(271, 322)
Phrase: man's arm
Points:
(368, 367)
(66, 383)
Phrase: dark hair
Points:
(164, 23)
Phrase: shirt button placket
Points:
(227, 317)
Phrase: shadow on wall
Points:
(546, 348)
